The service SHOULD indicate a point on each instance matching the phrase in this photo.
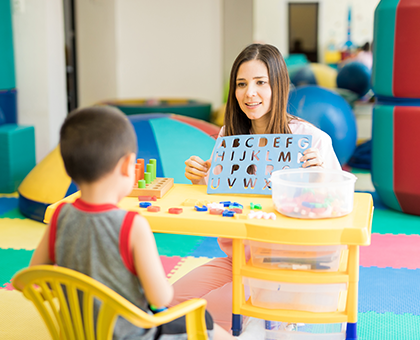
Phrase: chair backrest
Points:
(55, 292)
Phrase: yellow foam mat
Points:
(20, 234)
(19, 319)
(185, 266)
(364, 182)
(15, 194)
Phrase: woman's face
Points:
(253, 90)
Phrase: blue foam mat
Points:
(7, 204)
(389, 290)
(208, 247)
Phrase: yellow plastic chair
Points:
(43, 285)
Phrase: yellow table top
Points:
(353, 229)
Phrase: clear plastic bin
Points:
(313, 193)
(297, 296)
(291, 331)
(285, 256)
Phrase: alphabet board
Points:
(243, 164)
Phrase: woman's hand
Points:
(196, 169)
(311, 157)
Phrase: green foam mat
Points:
(11, 261)
(14, 213)
(176, 245)
(388, 326)
(394, 222)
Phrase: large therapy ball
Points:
(329, 112)
(168, 138)
(313, 74)
(355, 77)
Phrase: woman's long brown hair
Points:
(236, 122)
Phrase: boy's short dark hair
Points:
(93, 140)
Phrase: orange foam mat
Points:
(185, 266)
(19, 319)
(20, 234)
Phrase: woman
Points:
(257, 100)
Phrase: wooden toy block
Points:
(159, 187)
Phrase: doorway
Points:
(70, 52)
(303, 30)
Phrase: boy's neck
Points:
(103, 191)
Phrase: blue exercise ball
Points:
(355, 77)
(329, 112)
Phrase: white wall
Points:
(96, 48)
(170, 48)
(271, 22)
(38, 34)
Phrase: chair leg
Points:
(351, 333)
(236, 324)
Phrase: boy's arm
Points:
(41, 254)
(148, 266)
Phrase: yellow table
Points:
(353, 230)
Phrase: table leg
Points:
(351, 333)
(236, 324)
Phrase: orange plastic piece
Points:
(175, 210)
(147, 198)
(153, 208)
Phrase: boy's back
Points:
(94, 240)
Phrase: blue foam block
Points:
(389, 290)
(8, 106)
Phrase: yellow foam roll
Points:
(48, 182)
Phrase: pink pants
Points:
(212, 282)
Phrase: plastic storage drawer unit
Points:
(285, 256)
(297, 296)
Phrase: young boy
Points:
(96, 238)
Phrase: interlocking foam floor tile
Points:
(176, 245)
(14, 213)
(19, 319)
(169, 263)
(394, 222)
(20, 234)
(388, 326)
(208, 247)
(185, 266)
(14, 194)
(396, 251)
(7, 204)
(384, 290)
(11, 261)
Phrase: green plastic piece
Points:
(251, 205)
(142, 184)
(258, 206)
(148, 177)
(149, 168)
(154, 162)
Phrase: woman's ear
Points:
(127, 165)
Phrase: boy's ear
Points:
(127, 161)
